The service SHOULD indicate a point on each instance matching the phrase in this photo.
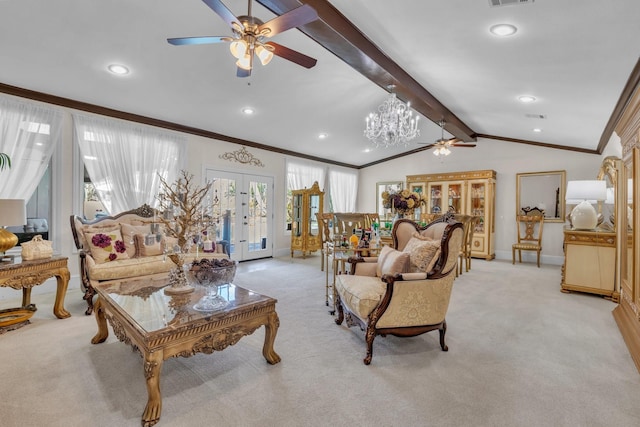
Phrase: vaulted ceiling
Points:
(575, 57)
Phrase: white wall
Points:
(504, 157)
(507, 159)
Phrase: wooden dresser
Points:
(589, 263)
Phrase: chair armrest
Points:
(362, 267)
(413, 276)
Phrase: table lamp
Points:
(584, 193)
(12, 212)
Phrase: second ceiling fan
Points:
(442, 145)
(250, 34)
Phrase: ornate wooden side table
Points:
(27, 274)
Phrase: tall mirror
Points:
(613, 209)
(543, 191)
(609, 171)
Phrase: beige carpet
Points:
(521, 353)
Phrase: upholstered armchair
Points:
(404, 291)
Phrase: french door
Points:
(243, 210)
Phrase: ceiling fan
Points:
(250, 34)
(442, 145)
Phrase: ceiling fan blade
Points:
(463, 145)
(292, 55)
(243, 73)
(227, 16)
(294, 18)
(426, 147)
(180, 41)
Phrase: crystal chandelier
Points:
(393, 124)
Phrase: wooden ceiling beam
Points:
(337, 34)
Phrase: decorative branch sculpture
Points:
(182, 215)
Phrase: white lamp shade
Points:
(594, 190)
(12, 212)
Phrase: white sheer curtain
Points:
(343, 187)
(302, 174)
(29, 134)
(124, 160)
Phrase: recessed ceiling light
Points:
(538, 130)
(248, 110)
(118, 69)
(367, 150)
(503, 30)
(526, 98)
(322, 135)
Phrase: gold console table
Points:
(589, 263)
(27, 274)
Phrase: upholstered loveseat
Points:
(130, 255)
(405, 291)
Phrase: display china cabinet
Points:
(305, 231)
(468, 193)
(627, 314)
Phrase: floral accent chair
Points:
(405, 291)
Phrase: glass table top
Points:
(151, 309)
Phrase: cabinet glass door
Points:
(454, 198)
(477, 203)
(314, 208)
(435, 198)
(296, 215)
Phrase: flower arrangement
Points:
(402, 202)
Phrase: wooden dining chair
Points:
(529, 236)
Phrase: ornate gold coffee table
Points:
(161, 326)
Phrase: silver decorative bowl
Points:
(210, 274)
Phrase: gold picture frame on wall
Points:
(391, 186)
(544, 191)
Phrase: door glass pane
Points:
(224, 210)
(257, 215)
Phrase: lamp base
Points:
(7, 240)
(584, 216)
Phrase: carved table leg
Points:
(26, 296)
(271, 329)
(62, 279)
(152, 368)
(103, 331)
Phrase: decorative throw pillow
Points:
(128, 236)
(88, 229)
(391, 261)
(107, 246)
(422, 253)
(148, 245)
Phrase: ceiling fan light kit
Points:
(442, 146)
(393, 124)
(250, 34)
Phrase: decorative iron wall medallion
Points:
(242, 156)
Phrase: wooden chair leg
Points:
(513, 255)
